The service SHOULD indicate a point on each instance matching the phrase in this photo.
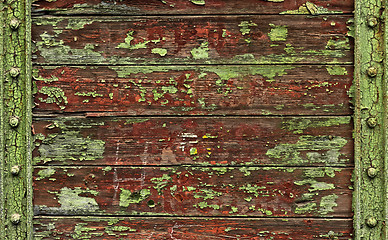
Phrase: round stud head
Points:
(14, 72)
(15, 218)
(372, 172)
(15, 170)
(14, 121)
(372, 22)
(14, 23)
(371, 222)
(372, 122)
(372, 72)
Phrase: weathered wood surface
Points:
(156, 7)
(260, 39)
(245, 141)
(193, 191)
(191, 228)
(189, 90)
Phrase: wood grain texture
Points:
(193, 90)
(320, 141)
(191, 228)
(265, 39)
(156, 7)
(193, 191)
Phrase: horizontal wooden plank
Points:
(156, 7)
(314, 141)
(190, 228)
(193, 191)
(188, 90)
(192, 40)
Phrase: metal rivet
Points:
(14, 23)
(14, 72)
(372, 172)
(372, 122)
(14, 121)
(15, 170)
(372, 22)
(372, 72)
(15, 218)
(371, 222)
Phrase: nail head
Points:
(372, 122)
(14, 121)
(14, 23)
(372, 172)
(14, 72)
(372, 72)
(15, 170)
(15, 218)
(372, 22)
(371, 222)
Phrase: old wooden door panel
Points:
(193, 191)
(156, 7)
(125, 128)
(255, 39)
(248, 141)
(193, 228)
(165, 90)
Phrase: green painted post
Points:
(370, 196)
(15, 120)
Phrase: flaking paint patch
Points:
(202, 52)
(161, 51)
(299, 125)
(71, 202)
(336, 70)
(245, 27)
(327, 204)
(54, 95)
(198, 2)
(45, 173)
(78, 23)
(290, 153)
(128, 197)
(310, 8)
(278, 32)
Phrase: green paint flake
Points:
(54, 95)
(310, 8)
(128, 197)
(201, 52)
(245, 27)
(306, 208)
(207, 194)
(203, 205)
(127, 43)
(327, 204)
(161, 51)
(83, 232)
(69, 145)
(45, 173)
(78, 23)
(193, 151)
(338, 44)
(71, 202)
(253, 189)
(278, 32)
(299, 125)
(88, 94)
(136, 120)
(336, 70)
(311, 145)
(198, 2)
(161, 183)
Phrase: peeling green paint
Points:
(338, 44)
(245, 27)
(291, 152)
(78, 23)
(306, 208)
(301, 124)
(198, 2)
(161, 51)
(336, 70)
(161, 182)
(71, 201)
(327, 204)
(278, 32)
(54, 95)
(128, 197)
(311, 8)
(69, 145)
(45, 173)
(201, 52)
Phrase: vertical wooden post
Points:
(15, 120)
(370, 196)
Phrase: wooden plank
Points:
(191, 228)
(188, 90)
(193, 191)
(265, 39)
(308, 141)
(156, 7)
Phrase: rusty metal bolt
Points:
(14, 72)
(14, 23)
(372, 22)
(14, 121)
(372, 72)
(372, 172)
(372, 122)
(15, 170)
(371, 222)
(15, 218)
